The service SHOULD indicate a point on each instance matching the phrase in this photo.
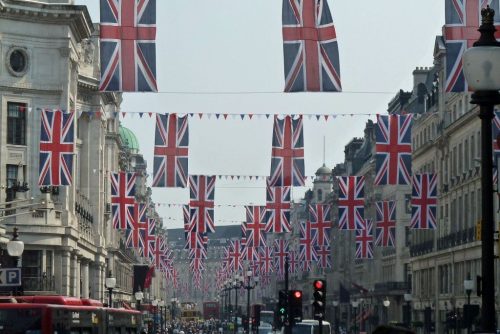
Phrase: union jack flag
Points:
(266, 260)
(200, 253)
(293, 262)
(385, 223)
(201, 205)
(147, 236)
(496, 141)
(157, 248)
(393, 146)
(140, 222)
(170, 167)
(195, 240)
(306, 244)
(255, 225)
(280, 255)
(319, 216)
(463, 17)
(424, 201)
(351, 202)
(128, 50)
(324, 256)
(235, 256)
(251, 254)
(57, 142)
(287, 159)
(310, 47)
(278, 209)
(364, 241)
(123, 199)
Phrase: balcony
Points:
(456, 239)
(422, 248)
(39, 284)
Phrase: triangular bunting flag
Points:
(141, 114)
(150, 114)
(225, 116)
(242, 116)
(123, 114)
(217, 116)
(326, 118)
(191, 114)
(318, 117)
(200, 114)
(250, 116)
(267, 116)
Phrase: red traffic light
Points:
(318, 285)
(297, 294)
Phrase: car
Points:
(309, 326)
(265, 328)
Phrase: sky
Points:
(226, 56)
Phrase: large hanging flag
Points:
(424, 201)
(463, 18)
(128, 50)
(123, 199)
(278, 209)
(201, 204)
(385, 224)
(287, 158)
(255, 226)
(57, 142)
(157, 249)
(310, 47)
(266, 260)
(170, 166)
(280, 255)
(393, 149)
(293, 262)
(147, 236)
(321, 223)
(235, 256)
(351, 202)
(324, 256)
(306, 245)
(140, 222)
(364, 240)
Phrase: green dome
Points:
(129, 139)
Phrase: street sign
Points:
(10, 277)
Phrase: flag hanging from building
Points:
(170, 165)
(57, 142)
(140, 222)
(235, 256)
(293, 262)
(393, 149)
(310, 47)
(266, 260)
(364, 240)
(157, 249)
(307, 251)
(463, 18)
(255, 225)
(280, 254)
(278, 209)
(123, 199)
(351, 202)
(287, 158)
(424, 201)
(385, 223)
(201, 204)
(321, 223)
(324, 256)
(128, 49)
(147, 236)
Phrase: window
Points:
(320, 195)
(16, 123)
(12, 173)
(17, 61)
(32, 263)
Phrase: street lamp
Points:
(237, 284)
(161, 305)
(408, 298)
(173, 301)
(482, 71)
(154, 302)
(354, 305)
(138, 297)
(15, 247)
(249, 287)
(110, 284)
(386, 304)
(468, 286)
(335, 309)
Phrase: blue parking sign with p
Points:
(10, 276)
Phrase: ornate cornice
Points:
(77, 17)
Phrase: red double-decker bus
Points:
(64, 315)
(211, 310)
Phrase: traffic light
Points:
(295, 307)
(256, 316)
(319, 295)
(282, 306)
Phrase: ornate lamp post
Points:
(354, 305)
(482, 71)
(408, 298)
(110, 285)
(468, 286)
(15, 248)
(335, 304)
(237, 284)
(249, 287)
(386, 304)
(138, 297)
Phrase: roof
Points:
(324, 170)
(129, 139)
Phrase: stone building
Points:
(49, 55)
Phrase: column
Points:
(65, 271)
(84, 276)
(75, 275)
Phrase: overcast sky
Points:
(226, 56)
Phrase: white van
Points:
(307, 326)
